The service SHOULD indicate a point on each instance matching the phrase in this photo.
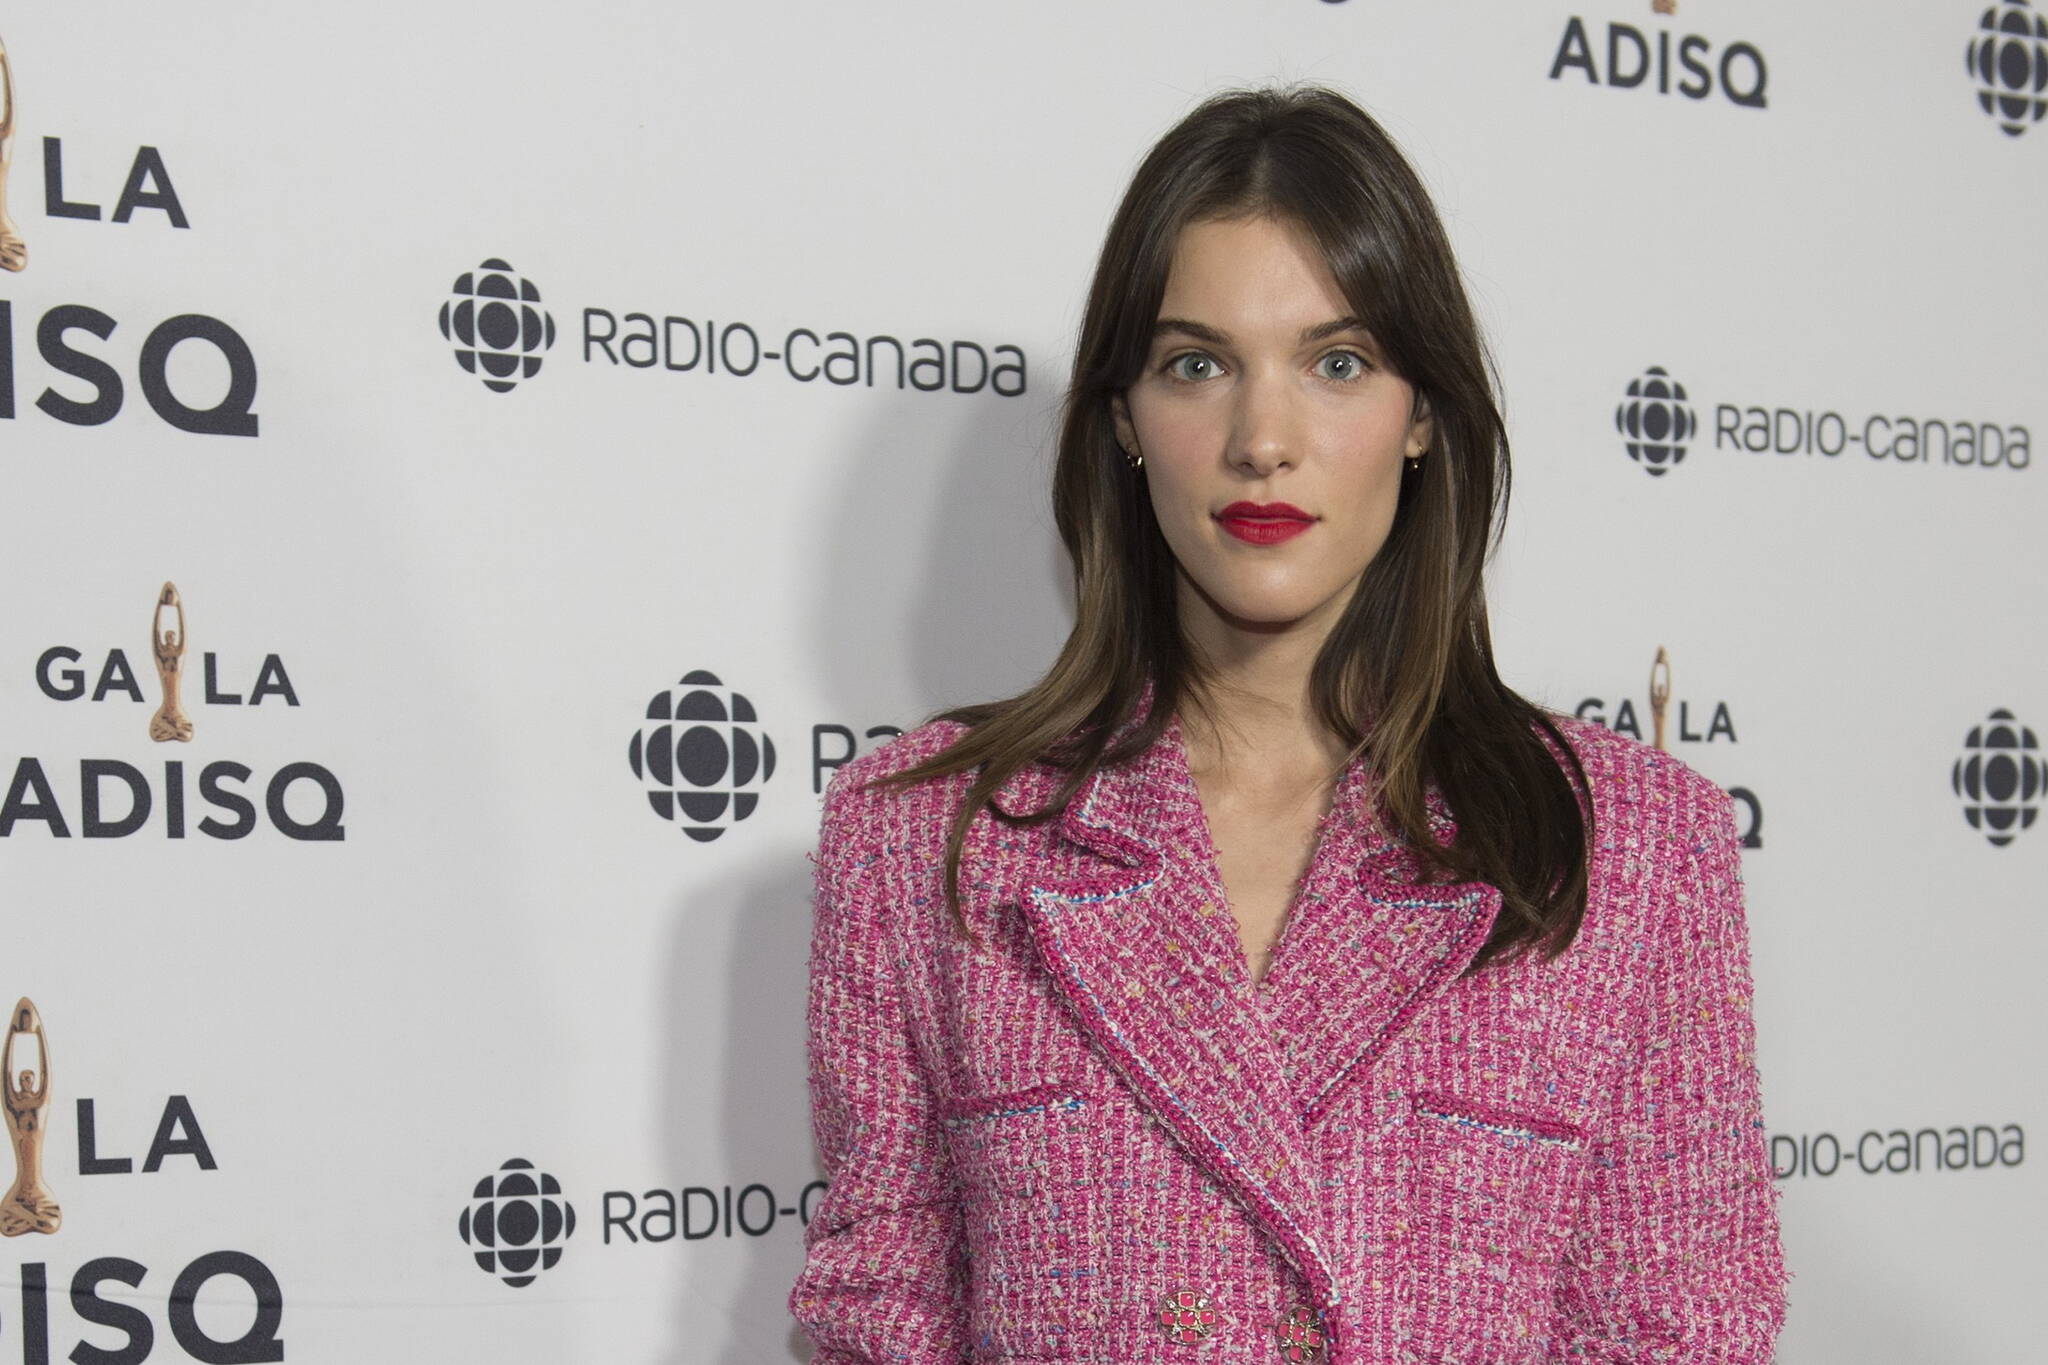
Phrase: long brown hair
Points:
(1406, 677)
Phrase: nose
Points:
(1265, 438)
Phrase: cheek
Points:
(1184, 433)
(1363, 446)
(1362, 463)
(1179, 504)
(1184, 469)
(1359, 534)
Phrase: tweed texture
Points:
(1032, 1146)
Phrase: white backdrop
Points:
(509, 954)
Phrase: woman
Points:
(1269, 979)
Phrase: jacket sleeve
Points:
(884, 1271)
(1677, 1256)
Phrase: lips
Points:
(1265, 523)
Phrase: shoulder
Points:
(1640, 790)
(1666, 851)
(854, 782)
(864, 818)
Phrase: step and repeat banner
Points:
(473, 472)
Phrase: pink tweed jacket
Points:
(1099, 1141)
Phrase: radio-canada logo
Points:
(1655, 420)
(2008, 59)
(2000, 777)
(701, 756)
(516, 1222)
(494, 319)
(1660, 420)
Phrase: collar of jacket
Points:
(1142, 949)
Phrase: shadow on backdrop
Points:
(951, 587)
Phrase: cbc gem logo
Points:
(494, 319)
(2009, 62)
(516, 1222)
(2000, 777)
(701, 756)
(1655, 420)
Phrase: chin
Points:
(1268, 609)
(1273, 599)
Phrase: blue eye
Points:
(1355, 362)
(1173, 366)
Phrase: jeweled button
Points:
(1187, 1317)
(1300, 1334)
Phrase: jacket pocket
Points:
(1033, 1165)
(1482, 1119)
(1492, 1193)
(1019, 1143)
(1066, 1095)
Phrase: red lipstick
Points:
(1264, 523)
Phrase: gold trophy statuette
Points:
(170, 721)
(29, 1206)
(1660, 693)
(13, 251)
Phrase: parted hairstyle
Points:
(1406, 677)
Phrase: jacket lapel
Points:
(1366, 948)
(1147, 957)
(1142, 947)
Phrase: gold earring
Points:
(1134, 461)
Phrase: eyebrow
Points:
(1203, 332)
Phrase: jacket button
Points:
(1301, 1337)
(1186, 1317)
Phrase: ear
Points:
(1422, 428)
(1126, 431)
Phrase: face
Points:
(1272, 430)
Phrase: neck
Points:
(1253, 720)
